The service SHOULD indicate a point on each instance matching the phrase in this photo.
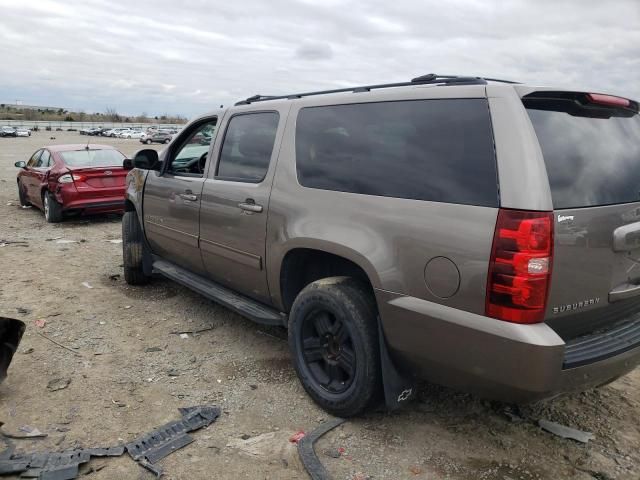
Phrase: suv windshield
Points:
(590, 160)
(92, 158)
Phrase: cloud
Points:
(93, 53)
(314, 51)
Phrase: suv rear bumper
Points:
(493, 358)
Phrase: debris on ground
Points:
(24, 431)
(192, 332)
(296, 437)
(58, 384)
(272, 446)
(23, 311)
(40, 323)
(308, 456)
(11, 331)
(333, 452)
(119, 240)
(64, 241)
(17, 243)
(86, 284)
(566, 432)
(58, 343)
(146, 450)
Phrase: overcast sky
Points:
(189, 56)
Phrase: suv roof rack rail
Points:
(430, 78)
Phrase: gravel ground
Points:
(130, 372)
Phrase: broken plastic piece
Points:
(566, 432)
(308, 456)
(296, 437)
(146, 450)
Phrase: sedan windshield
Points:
(92, 158)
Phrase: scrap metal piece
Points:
(307, 454)
(11, 331)
(146, 450)
(566, 432)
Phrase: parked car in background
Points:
(23, 132)
(137, 134)
(8, 132)
(114, 132)
(477, 233)
(62, 179)
(158, 137)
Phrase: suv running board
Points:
(245, 306)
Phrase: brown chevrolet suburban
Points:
(478, 233)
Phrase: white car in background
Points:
(23, 132)
(131, 134)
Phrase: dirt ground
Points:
(131, 371)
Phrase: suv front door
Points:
(172, 197)
(235, 201)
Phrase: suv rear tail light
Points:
(520, 266)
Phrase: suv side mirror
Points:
(21, 164)
(146, 159)
(127, 164)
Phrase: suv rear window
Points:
(437, 150)
(590, 161)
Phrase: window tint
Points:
(438, 150)
(92, 158)
(191, 156)
(247, 147)
(45, 159)
(590, 161)
(34, 159)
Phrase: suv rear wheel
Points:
(334, 344)
(133, 250)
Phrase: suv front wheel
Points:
(133, 248)
(334, 344)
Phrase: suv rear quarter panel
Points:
(391, 239)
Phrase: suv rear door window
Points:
(248, 144)
(590, 161)
(437, 150)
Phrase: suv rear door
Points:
(235, 200)
(171, 204)
(591, 148)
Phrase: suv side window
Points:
(190, 156)
(247, 147)
(436, 150)
(45, 159)
(34, 159)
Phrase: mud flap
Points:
(399, 388)
(11, 331)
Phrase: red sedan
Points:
(63, 179)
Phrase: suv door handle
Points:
(188, 196)
(250, 206)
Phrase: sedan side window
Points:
(191, 155)
(34, 159)
(247, 147)
(45, 159)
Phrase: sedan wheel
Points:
(52, 209)
(24, 201)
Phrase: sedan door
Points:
(235, 201)
(29, 179)
(172, 198)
